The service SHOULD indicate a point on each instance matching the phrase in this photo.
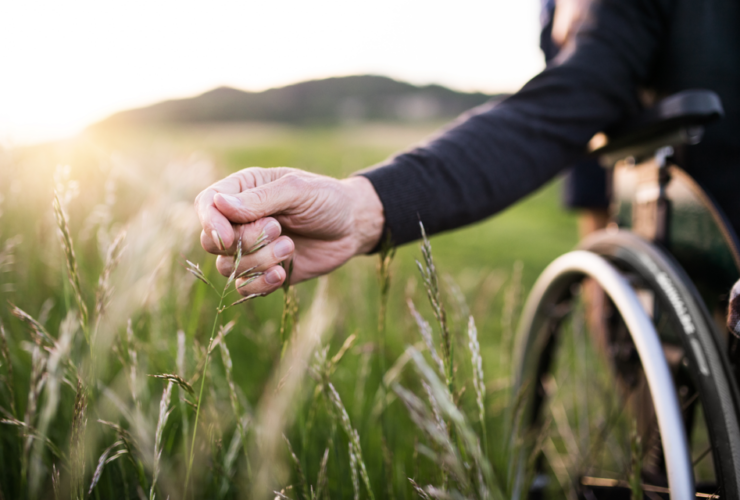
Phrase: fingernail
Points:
(273, 277)
(283, 248)
(272, 230)
(217, 239)
(231, 200)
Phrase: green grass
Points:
(151, 179)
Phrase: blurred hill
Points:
(318, 102)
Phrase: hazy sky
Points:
(66, 64)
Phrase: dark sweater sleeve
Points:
(501, 153)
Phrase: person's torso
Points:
(702, 51)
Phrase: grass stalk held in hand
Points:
(290, 309)
(194, 269)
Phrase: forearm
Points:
(499, 155)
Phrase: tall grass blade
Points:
(470, 441)
(55, 370)
(56, 482)
(38, 331)
(353, 466)
(37, 381)
(102, 461)
(479, 385)
(426, 334)
(303, 484)
(164, 413)
(282, 391)
(133, 361)
(77, 456)
(229, 463)
(430, 279)
(104, 290)
(177, 380)
(352, 435)
(32, 434)
(9, 379)
(419, 490)
(71, 260)
(448, 457)
(322, 478)
(236, 406)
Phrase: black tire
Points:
(703, 344)
(704, 367)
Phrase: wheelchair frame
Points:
(668, 231)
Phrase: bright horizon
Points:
(67, 65)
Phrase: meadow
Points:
(332, 389)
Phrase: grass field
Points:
(82, 416)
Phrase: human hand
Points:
(282, 213)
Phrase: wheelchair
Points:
(626, 384)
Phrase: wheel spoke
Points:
(701, 456)
(689, 402)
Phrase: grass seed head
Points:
(71, 260)
(430, 280)
(10, 381)
(176, 379)
(102, 461)
(164, 413)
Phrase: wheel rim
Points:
(553, 285)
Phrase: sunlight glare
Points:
(69, 64)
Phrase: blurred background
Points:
(70, 64)
(127, 111)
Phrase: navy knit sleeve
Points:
(501, 153)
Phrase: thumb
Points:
(272, 198)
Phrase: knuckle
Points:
(294, 180)
(285, 171)
(251, 177)
(260, 195)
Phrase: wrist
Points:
(367, 214)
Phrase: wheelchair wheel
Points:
(622, 385)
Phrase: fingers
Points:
(261, 232)
(259, 261)
(264, 283)
(217, 226)
(281, 196)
